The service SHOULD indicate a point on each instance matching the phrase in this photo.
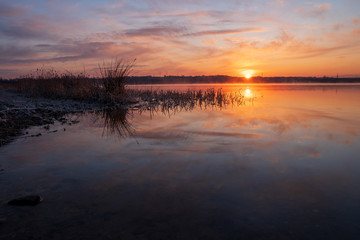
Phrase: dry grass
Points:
(48, 83)
(111, 89)
(51, 84)
(113, 79)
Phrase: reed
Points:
(49, 83)
(113, 80)
(111, 89)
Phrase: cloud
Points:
(356, 20)
(58, 52)
(281, 2)
(71, 51)
(178, 31)
(29, 28)
(8, 52)
(225, 31)
(155, 31)
(9, 10)
(338, 26)
(314, 11)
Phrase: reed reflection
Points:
(172, 101)
(116, 122)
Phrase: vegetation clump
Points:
(111, 89)
(113, 80)
(48, 83)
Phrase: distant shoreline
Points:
(221, 79)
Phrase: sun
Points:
(248, 73)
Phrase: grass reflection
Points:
(168, 102)
(116, 122)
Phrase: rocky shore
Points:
(17, 113)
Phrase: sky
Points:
(188, 37)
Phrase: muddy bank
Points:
(17, 113)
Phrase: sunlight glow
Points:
(248, 93)
(248, 73)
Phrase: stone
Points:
(30, 200)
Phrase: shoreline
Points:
(18, 113)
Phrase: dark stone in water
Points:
(31, 200)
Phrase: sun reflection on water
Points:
(248, 93)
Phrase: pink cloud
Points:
(315, 10)
(10, 10)
(226, 31)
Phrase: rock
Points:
(30, 200)
(37, 135)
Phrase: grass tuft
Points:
(113, 79)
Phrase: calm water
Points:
(284, 166)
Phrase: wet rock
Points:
(30, 200)
(37, 135)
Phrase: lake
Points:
(284, 164)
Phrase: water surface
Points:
(284, 165)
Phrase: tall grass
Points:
(51, 84)
(111, 89)
(47, 82)
(113, 79)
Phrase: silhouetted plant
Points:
(47, 82)
(113, 79)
